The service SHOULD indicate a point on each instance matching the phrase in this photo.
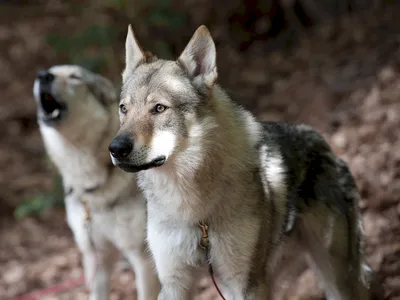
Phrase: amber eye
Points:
(122, 109)
(159, 108)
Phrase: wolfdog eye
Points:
(159, 108)
(74, 76)
(122, 109)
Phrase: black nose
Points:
(45, 76)
(120, 147)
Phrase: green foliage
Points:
(95, 63)
(79, 48)
(119, 4)
(164, 16)
(42, 202)
(90, 47)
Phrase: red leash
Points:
(204, 243)
(53, 290)
(215, 284)
(66, 285)
(71, 284)
(56, 289)
(74, 283)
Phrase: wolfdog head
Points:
(164, 106)
(72, 99)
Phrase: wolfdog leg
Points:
(98, 267)
(97, 264)
(174, 291)
(177, 283)
(147, 284)
(339, 269)
(282, 280)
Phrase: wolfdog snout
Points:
(120, 147)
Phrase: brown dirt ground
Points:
(346, 85)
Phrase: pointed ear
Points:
(103, 89)
(106, 90)
(134, 54)
(199, 58)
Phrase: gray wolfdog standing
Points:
(228, 191)
(76, 116)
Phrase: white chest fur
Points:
(77, 166)
(172, 198)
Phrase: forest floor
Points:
(346, 85)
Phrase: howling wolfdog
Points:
(77, 116)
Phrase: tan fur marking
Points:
(141, 132)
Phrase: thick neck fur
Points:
(79, 148)
(214, 176)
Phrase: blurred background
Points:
(333, 64)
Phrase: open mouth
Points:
(51, 109)
(127, 167)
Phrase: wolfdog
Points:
(75, 110)
(227, 191)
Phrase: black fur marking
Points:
(291, 215)
(158, 162)
(257, 276)
(311, 168)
